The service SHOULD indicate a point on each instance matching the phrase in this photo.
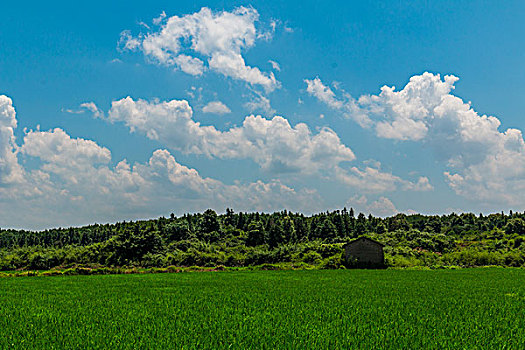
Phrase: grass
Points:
(440, 309)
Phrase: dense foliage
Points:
(248, 239)
(338, 309)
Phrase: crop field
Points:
(470, 308)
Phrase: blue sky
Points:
(74, 149)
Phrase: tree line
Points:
(250, 239)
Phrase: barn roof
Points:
(363, 238)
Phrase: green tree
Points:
(210, 222)
(256, 234)
(275, 234)
(289, 230)
(360, 226)
(515, 225)
(177, 231)
(325, 229)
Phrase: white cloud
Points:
(75, 183)
(259, 104)
(382, 207)
(408, 114)
(275, 65)
(373, 180)
(160, 19)
(195, 93)
(86, 106)
(189, 65)
(72, 111)
(128, 42)
(272, 143)
(102, 193)
(216, 107)
(484, 163)
(61, 152)
(10, 170)
(347, 106)
(218, 37)
(92, 107)
(267, 35)
(316, 88)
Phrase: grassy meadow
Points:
(440, 309)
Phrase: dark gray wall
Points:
(364, 252)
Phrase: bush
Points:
(312, 257)
(332, 262)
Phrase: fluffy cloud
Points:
(216, 107)
(272, 143)
(63, 155)
(73, 181)
(409, 114)
(346, 105)
(381, 207)
(373, 180)
(483, 162)
(219, 38)
(315, 87)
(76, 183)
(10, 170)
(259, 104)
(92, 107)
(57, 147)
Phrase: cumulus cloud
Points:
(216, 107)
(274, 144)
(483, 162)
(346, 104)
(63, 155)
(382, 207)
(128, 42)
(374, 180)
(160, 19)
(315, 87)
(92, 107)
(219, 38)
(75, 182)
(259, 104)
(72, 196)
(10, 170)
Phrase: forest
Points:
(270, 240)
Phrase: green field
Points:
(470, 308)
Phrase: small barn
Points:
(364, 252)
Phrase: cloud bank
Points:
(76, 183)
(274, 144)
(483, 163)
